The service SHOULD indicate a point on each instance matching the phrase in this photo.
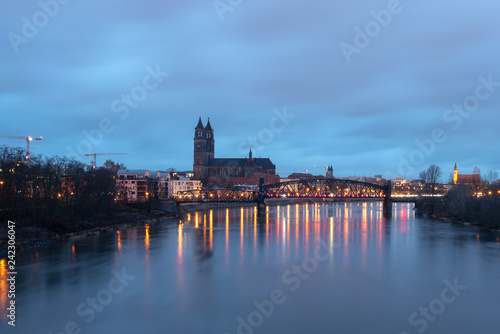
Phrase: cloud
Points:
(360, 116)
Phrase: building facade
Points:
(134, 186)
(182, 184)
(206, 166)
(467, 179)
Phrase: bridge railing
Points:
(319, 188)
(214, 195)
(326, 188)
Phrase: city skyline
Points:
(369, 88)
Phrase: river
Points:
(299, 268)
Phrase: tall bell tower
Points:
(455, 174)
(210, 144)
(200, 146)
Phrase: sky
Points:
(369, 87)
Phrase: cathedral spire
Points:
(250, 154)
(455, 174)
(208, 127)
(200, 125)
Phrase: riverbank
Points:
(483, 213)
(30, 235)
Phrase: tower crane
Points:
(28, 140)
(295, 170)
(81, 163)
(325, 167)
(94, 162)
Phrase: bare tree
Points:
(491, 176)
(52, 189)
(431, 176)
(423, 176)
(435, 174)
(113, 166)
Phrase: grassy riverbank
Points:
(457, 206)
(31, 234)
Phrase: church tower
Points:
(329, 173)
(210, 143)
(200, 145)
(455, 174)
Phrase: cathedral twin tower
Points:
(205, 165)
(204, 148)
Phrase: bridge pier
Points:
(387, 200)
(261, 197)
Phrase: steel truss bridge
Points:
(325, 188)
(215, 195)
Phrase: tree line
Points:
(53, 190)
(461, 202)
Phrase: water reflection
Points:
(146, 253)
(227, 237)
(295, 228)
(146, 238)
(3, 290)
(194, 274)
(118, 251)
(180, 237)
(119, 241)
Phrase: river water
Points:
(299, 268)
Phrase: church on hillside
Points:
(470, 179)
(240, 170)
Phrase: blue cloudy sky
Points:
(371, 87)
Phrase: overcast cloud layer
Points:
(363, 110)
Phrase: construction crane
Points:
(81, 163)
(28, 140)
(94, 162)
(302, 170)
(295, 170)
(325, 167)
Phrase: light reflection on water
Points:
(199, 274)
(4, 288)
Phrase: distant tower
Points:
(250, 155)
(204, 148)
(455, 174)
(200, 144)
(476, 171)
(329, 173)
(209, 133)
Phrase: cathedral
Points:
(206, 166)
